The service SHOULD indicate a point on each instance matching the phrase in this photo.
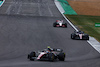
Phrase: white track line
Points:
(8, 10)
(39, 9)
(19, 9)
(92, 41)
(49, 10)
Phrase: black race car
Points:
(45, 55)
(60, 23)
(79, 35)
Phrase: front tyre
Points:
(31, 56)
(54, 24)
(87, 37)
(61, 56)
(72, 36)
(66, 25)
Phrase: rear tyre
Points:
(61, 56)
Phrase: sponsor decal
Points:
(97, 24)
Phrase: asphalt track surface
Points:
(26, 25)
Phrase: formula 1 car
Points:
(60, 23)
(80, 35)
(54, 54)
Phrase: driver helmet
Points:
(49, 49)
(79, 32)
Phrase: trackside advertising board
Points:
(97, 24)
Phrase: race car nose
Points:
(60, 24)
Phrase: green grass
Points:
(86, 24)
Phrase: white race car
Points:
(60, 23)
(46, 55)
(79, 35)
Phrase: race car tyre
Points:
(54, 24)
(61, 56)
(51, 57)
(32, 54)
(72, 36)
(65, 24)
(87, 38)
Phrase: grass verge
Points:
(86, 24)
